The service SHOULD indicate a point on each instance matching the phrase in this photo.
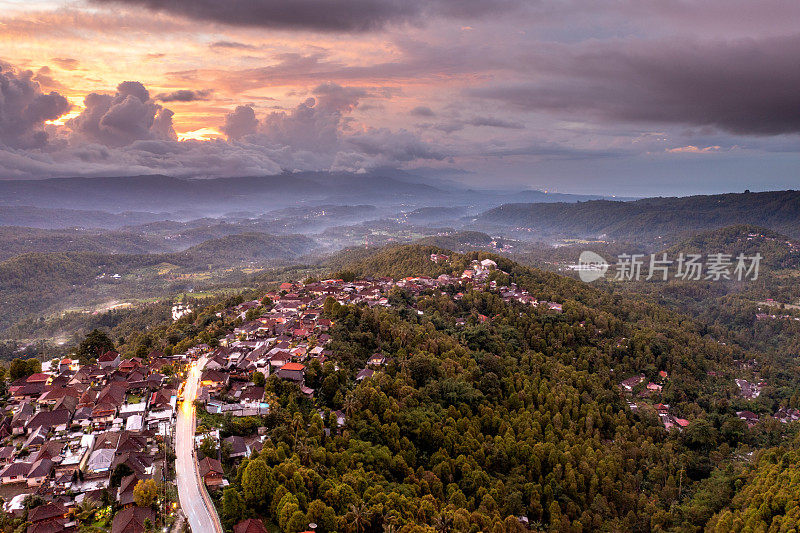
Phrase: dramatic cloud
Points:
(120, 119)
(314, 124)
(315, 134)
(599, 92)
(746, 87)
(308, 126)
(240, 123)
(128, 133)
(185, 95)
(321, 15)
(24, 109)
(46, 81)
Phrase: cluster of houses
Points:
(74, 432)
(633, 384)
(773, 316)
(747, 390)
(285, 338)
(784, 415)
(68, 429)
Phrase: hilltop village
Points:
(94, 442)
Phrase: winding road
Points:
(195, 501)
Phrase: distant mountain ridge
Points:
(46, 217)
(222, 194)
(650, 218)
(195, 198)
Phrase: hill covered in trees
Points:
(20, 240)
(648, 219)
(36, 283)
(489, 410)
(770, 501)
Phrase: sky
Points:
(625, 97)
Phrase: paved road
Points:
(193, 496)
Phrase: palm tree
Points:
(86, 509)
(443, 523)
(350, 405)
(358, 513)
(389, 520)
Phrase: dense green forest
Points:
(770, 501)
(471, 426)
(475, 422)
(458, 240)
(732, 306)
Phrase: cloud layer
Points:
(600, 92)
(745, 87)
(24, 109)
(127, 132)
(320, 15)
(120, 119)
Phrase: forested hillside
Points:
(651, 218)
(19, 240)
(770, 501)
(33, 283)
(489, 410)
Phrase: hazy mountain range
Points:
(190, 198)
(163, 235)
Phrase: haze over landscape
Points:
(413, 266)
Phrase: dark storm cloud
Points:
(747, 87)
(422, 111)
(495, 123)
(231, 45)
(123, 118)
(24, 108)
(240, 122)
(185, 95)
(321, 15)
